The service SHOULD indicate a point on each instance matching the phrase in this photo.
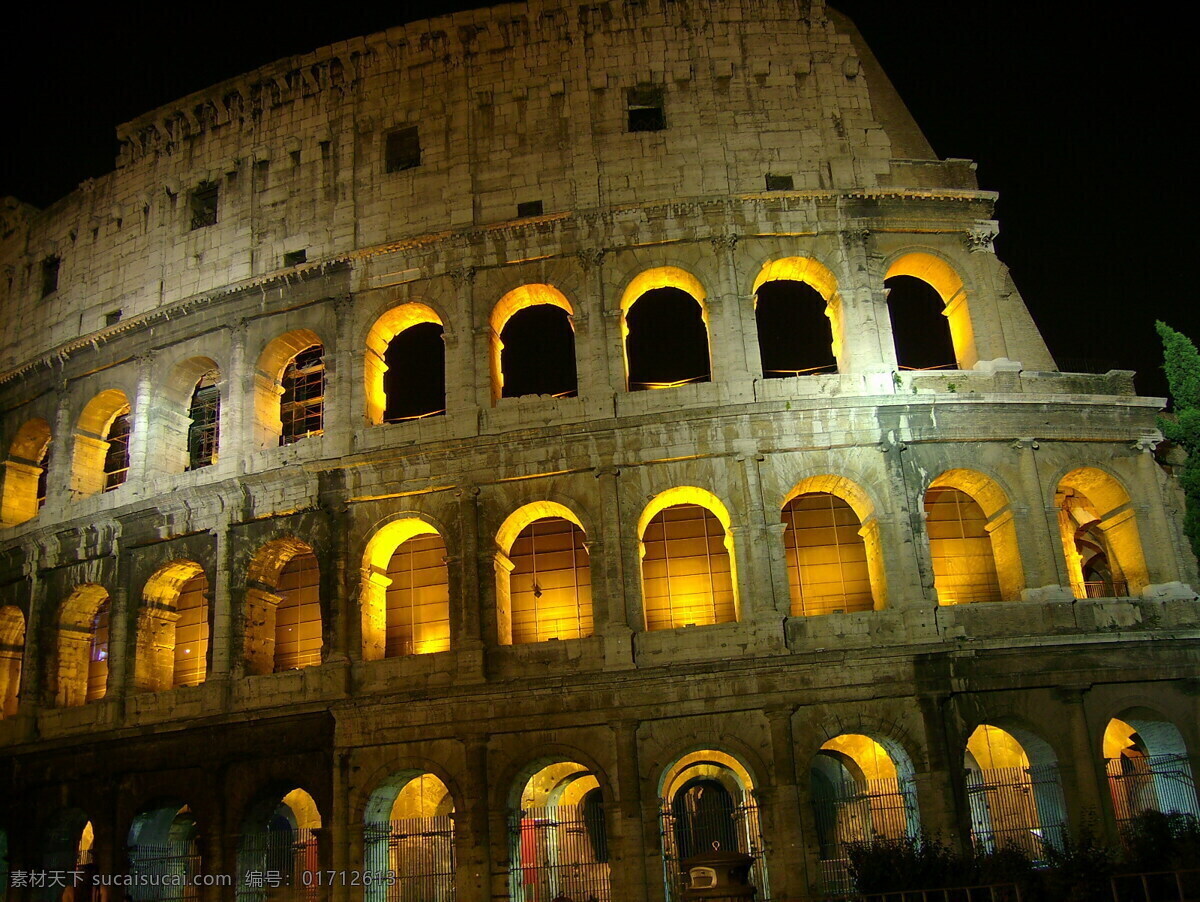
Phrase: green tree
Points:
(1181, 360)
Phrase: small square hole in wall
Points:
(204, 205)
(402, 149)
(779, 182)
(529, 208)
(50, 268)
(644, 105)
(112, 317)
(295, 258)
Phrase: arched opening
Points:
(68, 845)
(862, 791)
(164, 853)
(405, 591)
(101, 444)
(827, 564)
(280, 834)
(204, 430)
(173, 629)
(1014, 792)
(1100, 538)
(964, 568)
(25, 472)
(405, 365)
(408, 830)
(707, 801)
(797, 310)
(543, 576)
(289, 389)
(81, 649)
(12, 653)
(533, 344)
(931, 321)
(688, 570)
(284, 620)
(666, 330)
(1147, 766)
(558, 839)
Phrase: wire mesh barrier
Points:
(559, 852)
(687, 831)
(164, 873)
(1016, 807)
(278, 865)
(859, 812)
(1159, 886)
(415, 859)
(1150, 783)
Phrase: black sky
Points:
(1078, 119)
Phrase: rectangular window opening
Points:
(529, 208)
(50, 268)
(295, 258)
(644, 105)
(402, 149)
(204, 205)
(112, 317)
(779, 182)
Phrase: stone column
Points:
(902, 538)
(1038, 532)
(987, 328)
(221, 642)
(866, 333)
(466, 611)
(730, 336)
(779, 813)
(756, 582)
(591, 337)
(1159, 541)
(610, 606)
(341, 418)
(59, 479)
(463, 377)
(237, 410)
(625, 816)
(1081, 765)
(140, 426)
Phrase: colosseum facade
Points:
(508, 454)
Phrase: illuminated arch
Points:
(68, 842)
(12, 653)
(638, 359)
(283, 576)
(517, 301)
(686, 520)
(819, 278)
(846, 555)
(172, 629)
(101, 454)
(25, 472)
(973, 539)
(279, 833)
(1013, 789)
(1100, 538)
(707, 797)
(942, 277)
(550, 598)
(408, 829)
(405, 595)
(1147, 765)
(81, 647)
(269, 389)
(384, 330)
(163, 844)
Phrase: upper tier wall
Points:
(512, 104)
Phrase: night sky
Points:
(1078, 119)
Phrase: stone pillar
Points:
(902, 538)
(466, 610)
(140, 426)
(625, 817)
(779, 810)
(591, 338)
(123, 609)
(463, 376)
(756, 584)
(983, 271)
(341, 830)
(729, 335)
(475, 850)
(237, 408)
(1082, 766)
(40, 638)
(221, 642)
(610, 611)
(866, 328)
(1038, 532)
(1159, 541)
(60, 479)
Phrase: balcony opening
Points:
(537, 355)
(794, 332)
(1148, 767)
(666, 340)
(204, 431)
(414, 381)
(418, 598)
(12, 654)
(116, 456)
(280, 835)
(919, 326)
(960, 544)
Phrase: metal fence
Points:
(416, 857)
(1108, 588)
(1150, 783)
(992, 892)
(278, 865)
(1160, 886)
(860, 812)
(1016, 807)
(164, 873)
(689, 832)
(559, 852)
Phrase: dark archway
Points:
(919, 325)
(415, 381)
(794, 336)
(666, 343)
(537, 353)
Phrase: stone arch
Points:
(25, 472)
(270, 374)
(1100, 537)
(847, 558)
(68, 841)
(101, 453)
(521, 614)
(408, 829)
(559, 378)
(938, 273)
(12, 654)
(642, 342)
(163, 845)
(673, 598)
(780, 328)
(425, 594)
(284, 574)
(1147, 765)
(186, 419)
(976, 556)
(81, 647)
(173, 628)
(383, 332)
(279, 832)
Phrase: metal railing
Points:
(1106, 588)
(278, 865)
(411, 860)
(691, 832)
(860, 812)
(992, 892)
(1158, 886)
(164, 873)
(559, 851)
(1150, 783)
(1016, 807)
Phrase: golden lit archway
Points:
(395, 321)
(1148, 767)
(284, 620)
(689, 572)
(101, 452)
(25, 472)
(520, 299)
(646, 363)
(810, 272)
(405, 591)
(972, 539)
(942, 277)
(1100, 537)
(171, 648)
(275, 393)
(12, 654)
(543, 575)
(408, 830)
(81, 647)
